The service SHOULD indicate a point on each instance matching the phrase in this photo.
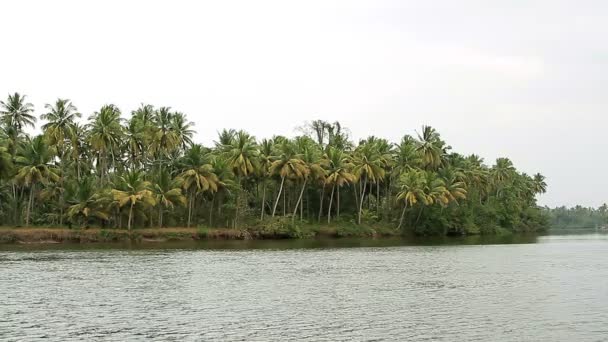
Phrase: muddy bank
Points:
(47, 235)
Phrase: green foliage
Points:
(146, 171)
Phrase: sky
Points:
(504, 78)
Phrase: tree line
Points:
(146, 171)
(578, 217)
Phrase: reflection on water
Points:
(551, 288)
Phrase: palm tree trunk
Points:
(331, 199)
(190, 210)
(356, 192)
(29, 207)
(285, 201)
(295, 210)
(402, 216)
(419, 214)
(338, 203)
(361, 202)
(377, 197)
(130, 217)
(160, 215)
(211, 211)
(321, 202)
(263, 202)
(274, 209)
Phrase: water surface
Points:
(552, 288)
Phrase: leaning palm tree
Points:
(286, 164)
(35, 159)
(411, 191)
(133, 190)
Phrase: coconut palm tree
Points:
(197, 177)
(168, 194)
(311, 158)
(367, 167)
(86, 202)
(34, 160)
(17, 113)
(287, 164)
(133, 190)
(431, 148)
(105, 134)
(338, 168)
(539, 186)
(265, 158)
(182, 129)
(60, 126)
(242, 156)
(411, 191)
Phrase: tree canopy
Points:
(145, 170)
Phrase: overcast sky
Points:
(522, 79)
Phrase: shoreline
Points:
(59, 235)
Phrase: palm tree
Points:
(501, 172)
(35, 159)
(367, 166)
(431, 148)
(286, 164)
(539, 186)
(197, 177)
(61, 123)
(241, 154)
(133, 190)
(105, 135)
(182, 129)
(411, 191)
(168, 194)
(86, 202)
(338, 168)
(164, 139)
(265, 158)
(16, 112)
(310, 156)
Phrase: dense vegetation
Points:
(145, 171)
(578, 217)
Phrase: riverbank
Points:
(37, 235)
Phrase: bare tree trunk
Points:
(331, 199)
(274, 209)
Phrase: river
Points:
(551, 288)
